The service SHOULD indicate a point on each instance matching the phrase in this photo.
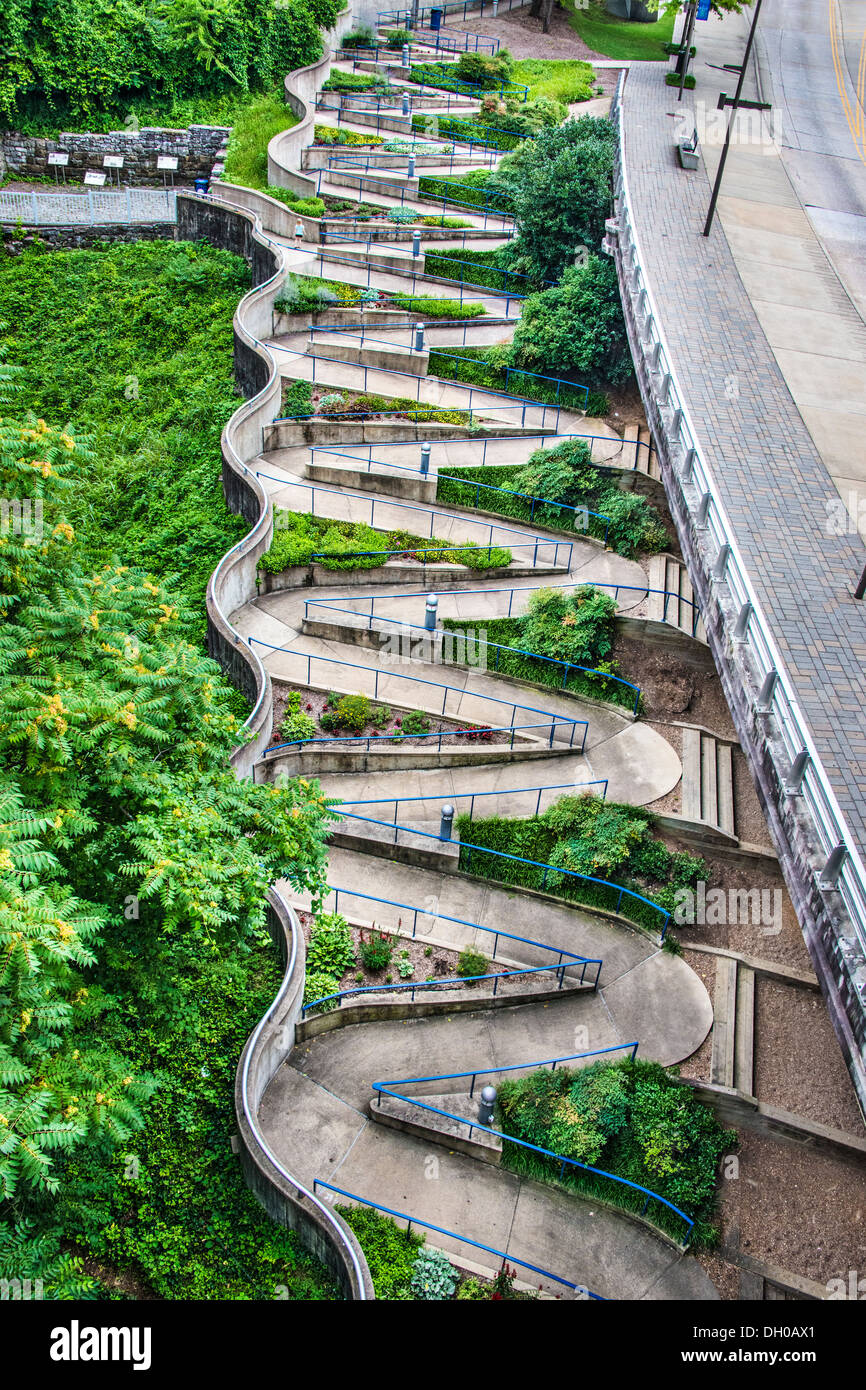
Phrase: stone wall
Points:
(196, 150)
(75, 238)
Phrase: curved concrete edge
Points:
(233, 582)
(454, 1002)
(286, 1200)
(287, 146)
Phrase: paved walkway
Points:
(776, 487)
(644, 992)
(314, 1112)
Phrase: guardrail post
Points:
(703, 511)
(741, 627)
(764, 702)
(799, 767)
(833, 868)
(446, 823)
(688, 464)
(722, 559)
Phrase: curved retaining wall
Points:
(286, 148)
(321, 1230)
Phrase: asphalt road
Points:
(820, 119)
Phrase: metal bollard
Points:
(430, 608)
(446, 822)
(425, 463)
(405, 55)
(485, 1108)
(405, 103)
(416, 243)
(411, 170)
(419, 337)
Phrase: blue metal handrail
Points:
(412, 985)
(498, 647)
(619, 888)
(454, 1235)
(584, 513)
(552, 439)
(381, 1088)
(462, 796)
(555, 720)
(367, 739)
(495, 932)
(517, 371)
(443, 546)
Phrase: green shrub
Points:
(362, 37)
(376, 951)
(319, 985)
(416, 722)
(471, 962)
(433, 1276)
(577, 627)
(673, 80)
(331, 950)
(297, 727)
(338, 135)
(485, 70)
(397, 38)
(632, 1119)
(576, 325)
(356, 82)
(352, 713)
(298, 400)
(390, 1251)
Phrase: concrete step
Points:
(648, 463)
(631, 453)
(724, 1022)
(744, 1031)
(708, 785)
(676, 604)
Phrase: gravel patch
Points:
(796, 1207)
(697, 1067)
(798, 1063)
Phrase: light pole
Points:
(735, 104)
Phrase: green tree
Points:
(560, 188)
(576, 326)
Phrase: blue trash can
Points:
(436, 19)
(202, 185)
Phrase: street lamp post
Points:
(735, 104)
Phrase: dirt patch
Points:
(521, 34)
(748, 816)
(673, 689)
(795, 1207)
(697, 1067)
(798, 1064)
(315, 703)
(723, 1274)
(776, 936)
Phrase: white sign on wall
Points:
(94, 177)
(58, 157)
(166, 161)
(113, 161)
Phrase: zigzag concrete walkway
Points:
(314, 1111)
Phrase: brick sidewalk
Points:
(769, 473)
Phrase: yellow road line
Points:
(853, 115)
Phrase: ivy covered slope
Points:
(97, 64)
(134, 957)
(133, 346)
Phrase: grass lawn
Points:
(255, 124)
(620, 38)
(565, 81)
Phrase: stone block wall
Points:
(196, 150)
